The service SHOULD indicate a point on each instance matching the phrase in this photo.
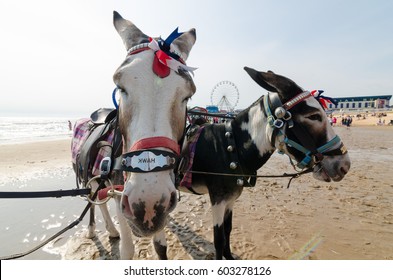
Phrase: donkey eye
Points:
(315, 117)
(121, 90)
(185, 100)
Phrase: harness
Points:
(144, 155)
(281, 120)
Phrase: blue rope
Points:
(114, 98)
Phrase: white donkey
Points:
(155, 85)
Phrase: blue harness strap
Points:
(308, 154)
(279, 124)
(331, 143)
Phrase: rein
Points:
(285, 175)
(53, 237)
(223, 116)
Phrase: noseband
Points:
(282, 120)
(143, 157)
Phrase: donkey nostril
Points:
(344, 170)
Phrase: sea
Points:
(26, 223)
(32, 129)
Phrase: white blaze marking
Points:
(257, 127)
(218, 213)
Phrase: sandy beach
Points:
(351, 219)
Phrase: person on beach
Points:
(330, 119)
(348, 121)
(344, 121)
(69, 125)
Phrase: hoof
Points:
(116, 237)
(114, 234)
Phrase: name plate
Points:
(148, 161)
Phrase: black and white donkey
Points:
(287, 119)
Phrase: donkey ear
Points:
(130, 34)
(185, 42)
(274, 83)
(260, 79)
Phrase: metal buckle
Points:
(105, 166)
(278, 123)
(287, 116)
(317, 158)
(89, 185)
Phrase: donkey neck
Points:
(251, 132)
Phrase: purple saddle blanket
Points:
(82, 129)
(188, 156)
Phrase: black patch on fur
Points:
(160, 250)
(219, 241)
(139, 211)
(227, 235)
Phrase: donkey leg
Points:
(109, 225)
(227, 232)
(91, 229)
(160, 245)
(126, 242)
(219, 232)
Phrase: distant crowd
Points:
(345, 120)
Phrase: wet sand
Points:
(351, 219)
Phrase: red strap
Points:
(139, 50)
(102, 194)
(156, 142)
(297, 99)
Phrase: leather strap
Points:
(156, 142)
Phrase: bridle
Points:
(146, 155)
(281, 120)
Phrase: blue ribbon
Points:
(166, 44)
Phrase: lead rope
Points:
(73, 224)
(285, 175)
(105, 172)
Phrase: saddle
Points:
(94, 139)
(103, 115)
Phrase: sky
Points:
(57, 58)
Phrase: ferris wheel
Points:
(225, 96)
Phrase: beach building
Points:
(361, 103)
(212, 109)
